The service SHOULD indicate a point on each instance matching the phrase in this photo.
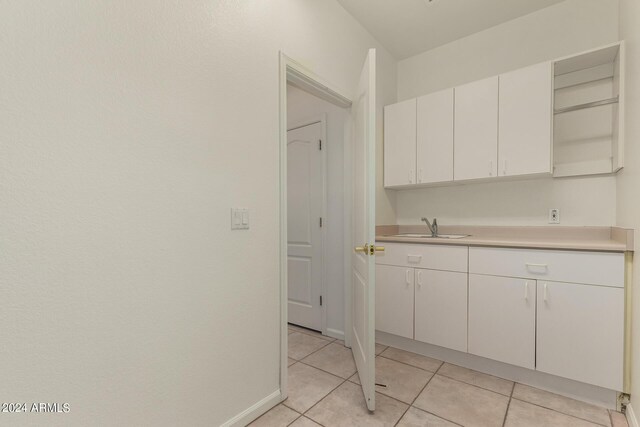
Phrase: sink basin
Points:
(429, 236)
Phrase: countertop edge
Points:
(576, 238)
(609, 246)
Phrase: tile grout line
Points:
(504, 421)
(415, 398)
(321, 337)
(475, 385)
(279, 404)
(312, 334)
(302, 416)
(321, 399)
(320, 369)
(347, 380)
(566, 397)
(437, 371)
(297, 418)
(433, 374)
(314, 351)
(330, 373)
(423, 389)
(413, 366)
(559, 412)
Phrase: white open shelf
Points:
(588, 105)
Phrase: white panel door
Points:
(441, 308)
(525, 111)
(435, 137)
(502, 319)
(476, 130)
(304, 208)
(394, 300)
(400, 143)
(363, 167)
(581, 333)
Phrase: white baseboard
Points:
(334, 333)
(631, 417)
(253, 412)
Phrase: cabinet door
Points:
(581, 333)
(394, 300)
(400, 143)
(502, 319)
(476, 130)
(441, 308)
(435, 137)
(525, 121)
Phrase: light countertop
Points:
(609, 239)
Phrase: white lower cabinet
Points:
(557, 312)
(580, 332)
(441, 308)
(394, 300)
(502, 319)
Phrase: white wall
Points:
(129, 130)
(629, 178)
(568, 27)
(302, 107)
(581, 201)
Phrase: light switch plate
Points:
(239, 218)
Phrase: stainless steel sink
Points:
(429, 236)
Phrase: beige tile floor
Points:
(324, 391)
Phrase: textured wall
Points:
(129, 130)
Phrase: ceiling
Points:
(409, 27)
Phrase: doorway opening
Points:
(327, 204)
(315, 212)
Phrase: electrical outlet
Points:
(554, 216)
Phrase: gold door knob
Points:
(379, 248)
(364, 248)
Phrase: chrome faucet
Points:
(433, 228)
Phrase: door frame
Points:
(322, 119)
(292, 71)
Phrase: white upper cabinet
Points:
(476, 130)
(525, 115)
(559, 118)
(435, 137)
(400, 143)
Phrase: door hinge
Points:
(320, 222)
(320, 300)
(320, 144)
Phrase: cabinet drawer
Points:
(435, 257)
(594, 268)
